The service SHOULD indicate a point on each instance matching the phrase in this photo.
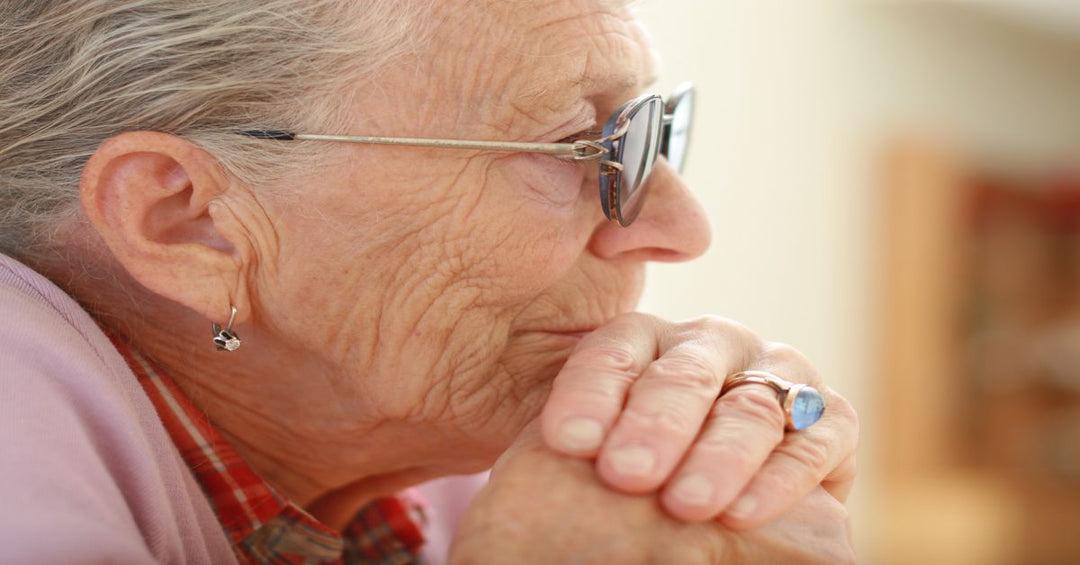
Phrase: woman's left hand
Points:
(642, 396)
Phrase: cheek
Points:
(442, 279)
(531, 224)
(521, 256)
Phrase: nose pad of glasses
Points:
(610, 173)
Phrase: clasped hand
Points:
(641, 397)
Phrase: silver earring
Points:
(226, 339)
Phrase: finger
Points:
(590, 390)
(667, 405)
(745, 426)
(664, 412)
(840, 481)
(800, 463)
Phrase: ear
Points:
(155, 199)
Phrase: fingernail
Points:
(694, 490)
(580, 434)
(743, 507)
(634, 460)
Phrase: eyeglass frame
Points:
(582, 150)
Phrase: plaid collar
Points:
(263, 525)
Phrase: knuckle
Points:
(714, 322)
(782, 484)
(785, 353)
(758, 406)
(843, 409)
(691, 372)
(611, 356)
(840, 410)
(812, 454)
(734, 450)
(666, 420)
(853, 467)
(712, 325)
(729, 338)
(635, 320)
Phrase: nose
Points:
(671, 227)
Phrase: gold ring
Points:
(802, 404)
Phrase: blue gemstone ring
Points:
(803, 405)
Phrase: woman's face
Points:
(445, 288)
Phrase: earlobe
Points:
(149, 196)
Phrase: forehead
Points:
(522, 52)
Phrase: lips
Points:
(578, 334)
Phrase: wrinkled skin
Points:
(424, 297)
(520, 518)
(406, 311)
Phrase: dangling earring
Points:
(225, 339)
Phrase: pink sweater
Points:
(87, 472)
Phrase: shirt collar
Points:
(261, 523)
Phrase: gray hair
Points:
(76, 72)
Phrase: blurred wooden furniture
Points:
(980, 397)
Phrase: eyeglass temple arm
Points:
(581, 150)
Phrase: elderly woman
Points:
(230, 334)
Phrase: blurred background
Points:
(895, 189)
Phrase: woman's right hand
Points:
(541, 507)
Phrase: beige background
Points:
(797, 100)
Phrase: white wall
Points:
(796, 98)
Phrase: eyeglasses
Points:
(632, 137)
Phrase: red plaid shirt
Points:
(264, 526)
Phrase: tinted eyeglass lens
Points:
(640, 146)
(679, 131)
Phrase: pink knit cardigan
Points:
(87, 472)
